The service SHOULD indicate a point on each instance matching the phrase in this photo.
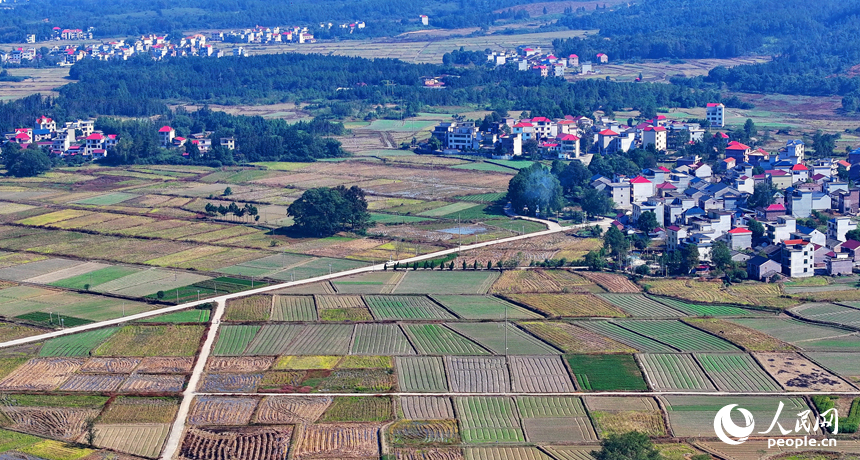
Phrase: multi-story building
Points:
(656, 136)
(797, 258)
(716, 114)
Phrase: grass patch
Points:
(10, 440)
(95, 278)
(748, 338)
(607, 372)
(56, 450)
(358, 409)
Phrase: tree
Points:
(535, 188)
(853, 234)
(756, 228)
(29, 162)
(227, 191)
(689, 257)
(573, 175)
(762, 196)
(749, 128)
(721, 256)
(647, 222)
(595, 261)
(325, 211)
(617, 243)
(595, 203)
(643, 269)
(632, 445)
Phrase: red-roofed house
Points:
(167, 134)
(642, 189)
(739, 238)
(544, 127)
(22, 138)
(568, 146)
(738, 151)
(573, 60)
(799, 172)
(605, 138)
(95, 141)
(525, 130)
(655, 136)
(602, 58)
(44, 122)
(715, 114)
(664, 188)
(771, 212)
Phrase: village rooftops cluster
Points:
(73, 138)
(169, 139)
(532, 58)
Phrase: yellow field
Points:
(51, 217)
(306, 362)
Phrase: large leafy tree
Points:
(28, 162)
(617, 243)
(647, 222)
(689, 257)
(632, 445)
(595, 203)
(325, 211)
(762, 196)
(721, 256)
(535, 188)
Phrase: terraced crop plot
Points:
(253, 308)
(694, 309)
(110, 365)
(75, 270)
(42, 306)
(276, 410)
(266, 265)
(639, 305)
(165, 365)
(221, 410)
(446, 282)
(538, 281)
(483, 307)
(93, 382)
(233, 340)
(140, 383)
(264, 443)
(148, 282)
(671, 372)
(426, 408)
(627, 337)
(80, 344)
(606, 372)
(359, 409)
(796, 373)
(539, 374)
(678, 335)
(735, 372)
(473, 374)
(125, 409)
(574, 339)
(503, 338)
(612, 283)
(693, 416)
(145, 440)
(421, 374)
(488, 419)
(749, 339)
(804, 335)
(230, 383)
(41, 374)
(828, 312)
(435, 339)
(411, 432)
(272, 339)
(380, 339)
(293, 308)
(317, 339)
(307, 362)
(842, 363)
(569, 305)
(405, 307)
(331, 440)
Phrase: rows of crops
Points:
(404, 307)
(674, 372)
(678, 335)
(640, 305)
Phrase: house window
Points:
(805, 270)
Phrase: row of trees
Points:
(234, 209)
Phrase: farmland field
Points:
(426, 408)
(612, 282)
(404, 307)
(271, 339)
(694, 309)
(253, 308)
(232, 340)
(359, 409)
(627, 337)
(80, 344)
(333, 440)
(670, 372)
(639, 305)
(841, 363)
(472, 374)
(830, 313)
(483, 307)
(436, 339)
(488, 419)
(503, 338)
(678, 335)
(749, 339)
(446, 282)
(694, 415)
(213, 410)
(293, 308)
(569, 305)
(380, 339)
(735, 372)
(316, 339)
(574, 339)
(421, 374)
(539, 374)
(169, 340)
(606, 372)
(796, 373)
(804, 335)
(612, 414)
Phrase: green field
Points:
(80, 344)
(494, 337)
(705, 310)
(435, 339)
(639, 305)
(447, 282)
(450, 209)
(489, 167)
(386, 307)
(607, 372)
(232, 340)
(488, 420)
(483, 307)
(107, 199)
(483, 197)
(629, 338)
(399, 125)
(193, 315)
(678, 335)
(272, 339)
(96, 277)
(379, 218)
(736, 372)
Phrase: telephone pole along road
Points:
(553, 227)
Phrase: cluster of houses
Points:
(276, 35)
(568, 138)
(693, 205)
(59, 33)
(544, 64)
(169, 139)
(72, 138)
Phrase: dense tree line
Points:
(813, 44)
(140, 87)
